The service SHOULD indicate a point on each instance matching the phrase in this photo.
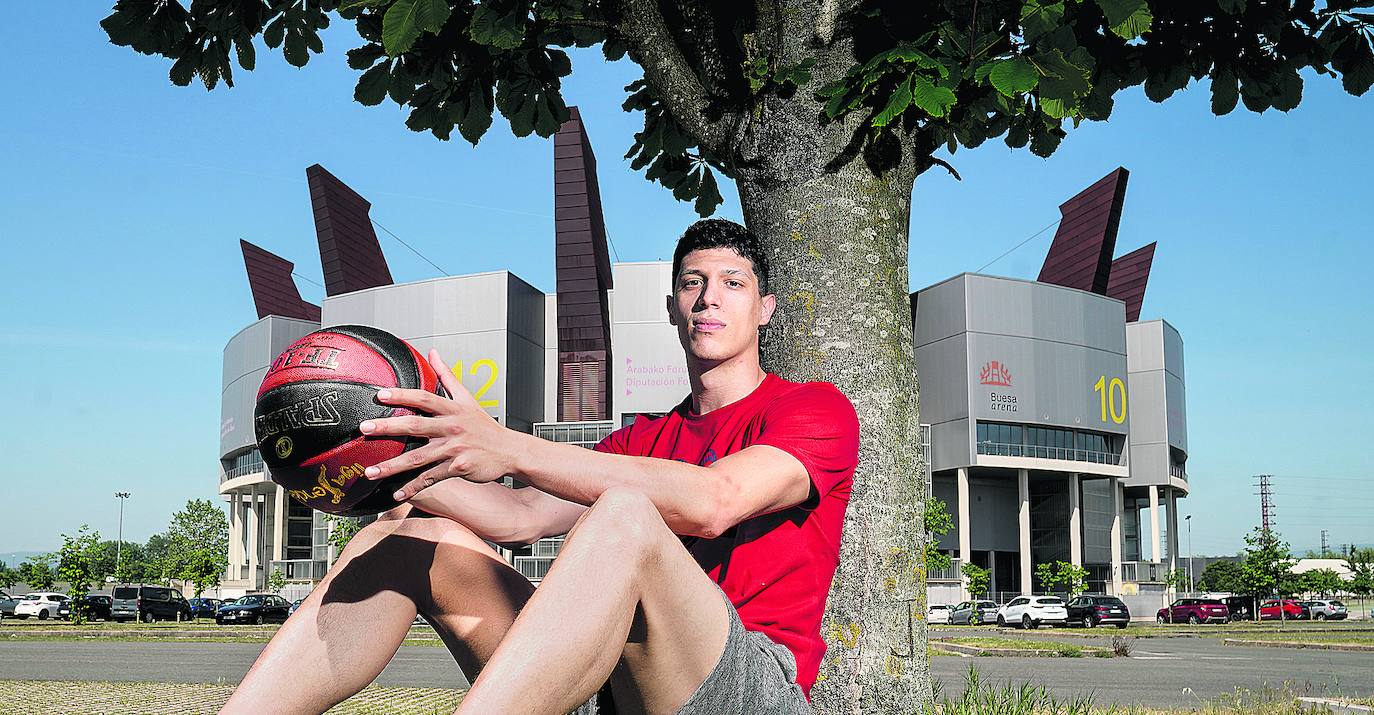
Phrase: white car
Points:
(1033, 611)
(42, 604)
(937, 613)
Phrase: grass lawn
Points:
(1063, 650)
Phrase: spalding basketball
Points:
(311, 402)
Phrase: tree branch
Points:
(675, 83)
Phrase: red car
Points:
(1194, 611)
(1292, 610)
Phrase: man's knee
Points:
(623, 517)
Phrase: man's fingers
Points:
(450, 381)
(414, 459)
(407, 426)
(419, 400)
(427, 478)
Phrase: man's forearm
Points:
(689, 497)
(492, 511)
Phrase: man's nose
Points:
(709, 295)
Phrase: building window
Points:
(1009, 440)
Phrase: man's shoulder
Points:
(817, 393)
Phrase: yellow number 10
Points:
(492, 371)
(1107, 394)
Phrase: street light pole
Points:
(119, 545)
(1189, 521)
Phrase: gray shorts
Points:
(754, 676)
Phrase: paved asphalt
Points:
(1157, 674)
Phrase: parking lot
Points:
(1169, 666)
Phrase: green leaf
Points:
(896, 104)
(708, 194)
(275, 31)
(247, 56)
(1128, 19)
(372, 85)
(348, 5)
(1231, 7)
(406, 19)
(490, 27)
(294, 49)
(1013, 77)
(935, 101)
(1037, 18)
(1225, 92)
(360, 58)
(477, 119)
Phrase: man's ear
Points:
(672, 315)
(770, 304)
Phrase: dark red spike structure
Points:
(583, 268)
(274, 291)
(1081, 254)
(349, 252)
(1130, 273)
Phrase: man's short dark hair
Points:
(723, 233)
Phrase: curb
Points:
(970, 650)
(1298, 645)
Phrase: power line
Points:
(407, 245)
(307, 280)
(612, 242)
(1013, 248)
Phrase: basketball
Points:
(313, 398)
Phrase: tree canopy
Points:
(198, 544)
(919, 76)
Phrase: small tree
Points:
(1266, 567)
(341, 531)
(155, 565)
(37, 572)
(1222, 576)
(1176, 579)
(276, 581)
(938, 523)
(1362, 566)
(1061, 576)
(1323, 582)
(8, 576)
(198, 544)
(77, 568)
(978, 579)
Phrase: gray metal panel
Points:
(938, 311)
(649, 369)
(468, 319)
(550, 358)
(246, 357)
(1159, 434)
(941, 367)
(951, 444)
(1006, 306)
(993, 507)
(1050, 383)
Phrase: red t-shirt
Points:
(776, 568)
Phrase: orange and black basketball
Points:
(311, 402)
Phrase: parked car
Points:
(7, 604)
(149, 603)
(42, 604)
(1093, 611)
(937, 613)
(204, 607)
(295, 605)
(1290, 610)
(971, 613)
(1195, 611)
(1321, 610)
(1033, 612)
(1242, 608)
(254, 608)
(97, 607)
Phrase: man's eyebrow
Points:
(726, 271)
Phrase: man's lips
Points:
(707, 326)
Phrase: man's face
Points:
(716, 305)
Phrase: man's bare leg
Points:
(622, 590)
(350, 626)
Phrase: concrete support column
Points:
(965, 530)
(1024, 527)
(1172, 495)
(235, 535)
(1117, 508)
(251, 528)
(1075, 521)
(279, 512)
(1154, 524)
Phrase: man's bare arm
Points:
(499, 514)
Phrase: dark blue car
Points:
(204, 607)
(255, 608)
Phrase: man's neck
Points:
(715, 385)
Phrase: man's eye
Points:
(735, 284)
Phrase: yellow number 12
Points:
(492, 372)
(1107, 394)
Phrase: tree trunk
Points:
(837, 243)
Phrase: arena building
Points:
(1030, 437)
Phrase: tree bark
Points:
(837, 243)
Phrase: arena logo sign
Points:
(997, 374)
(315, 411)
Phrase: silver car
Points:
(972, 613)
(1323, 610)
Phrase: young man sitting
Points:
(700, 546)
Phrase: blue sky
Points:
(123, 198)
